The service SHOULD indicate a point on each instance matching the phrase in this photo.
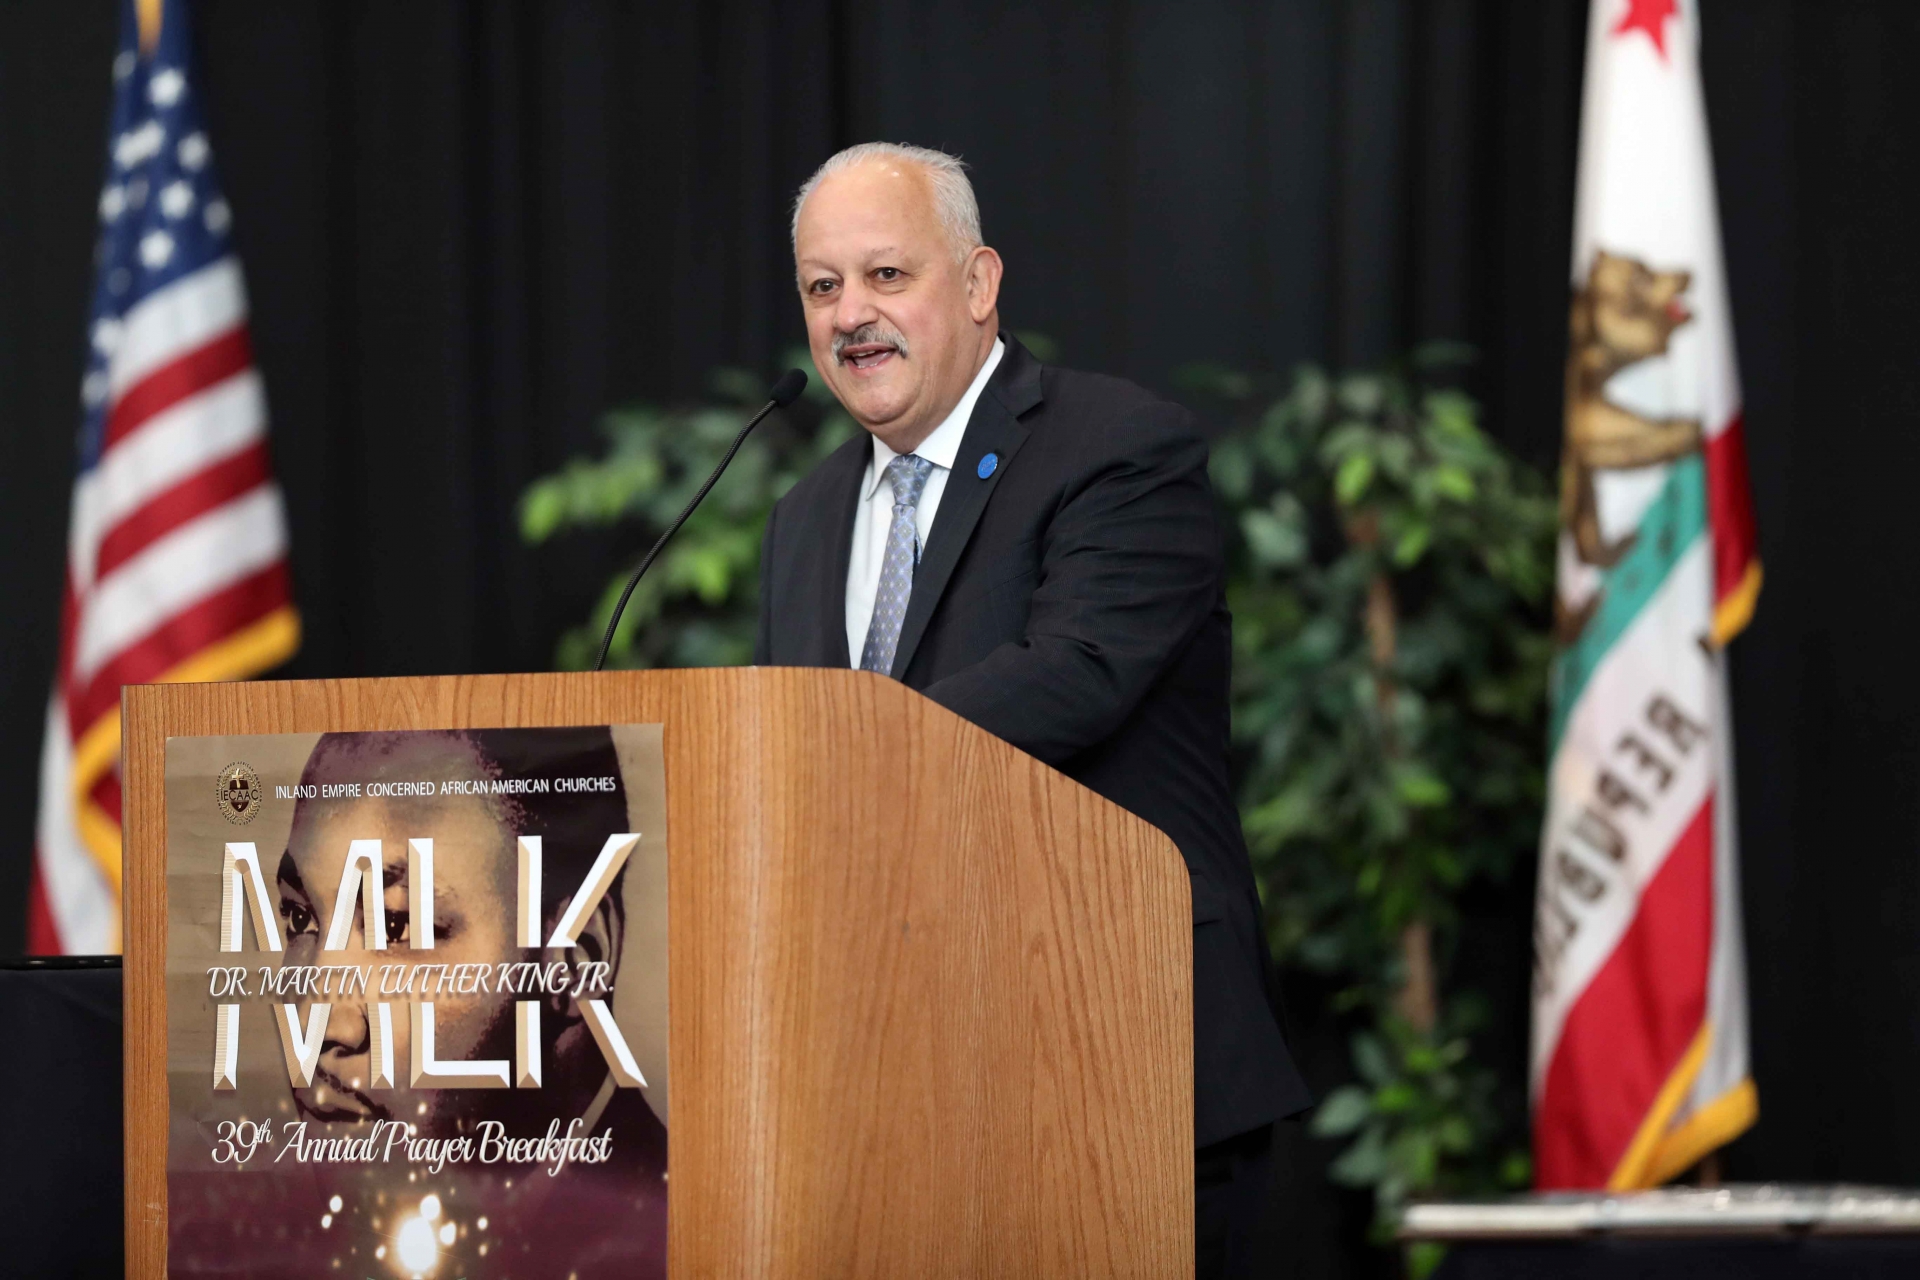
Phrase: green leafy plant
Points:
(696, 606)
(1389, 574)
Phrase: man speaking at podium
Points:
(1034, 549)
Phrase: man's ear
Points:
(602, 937)
(984, 270)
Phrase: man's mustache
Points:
(327, 1076)
(868, 334)
(324, 1078)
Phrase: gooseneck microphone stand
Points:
(784, 393)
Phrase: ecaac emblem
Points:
(239, 793)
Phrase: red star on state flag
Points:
(1651, 17)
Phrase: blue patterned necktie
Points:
(908, 474)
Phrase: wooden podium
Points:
(930, 1000)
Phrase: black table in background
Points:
(1787, 1258)
(1732, 1231)
(61, 1176)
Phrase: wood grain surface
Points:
(931, 1001)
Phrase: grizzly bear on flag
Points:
(1625, 313)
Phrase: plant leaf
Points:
(1412, 544)
(1345, 1109)
(1351, 481)
(1274, 541)
(1372, 1060)
(1453, 481)
(1362, 1163)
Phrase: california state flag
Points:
(1639, 1054)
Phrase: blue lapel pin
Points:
(988, 464)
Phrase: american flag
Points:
(177, 543)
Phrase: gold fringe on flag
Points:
(147, 12)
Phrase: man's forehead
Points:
(870, 201)
(370, 756)
(898, 183)
(327, 834)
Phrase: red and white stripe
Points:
(176, 569)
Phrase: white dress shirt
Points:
(873, 517)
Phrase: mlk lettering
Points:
(244, 895)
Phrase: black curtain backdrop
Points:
(470, 228)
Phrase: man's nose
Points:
(854, 308)
(346, 1030)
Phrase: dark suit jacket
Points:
(1071, 603)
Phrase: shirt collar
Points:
(943, 446)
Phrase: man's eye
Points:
(888, 273)
(822, 286)
(299, 919)
(397, 922)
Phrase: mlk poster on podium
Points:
(417, 1004)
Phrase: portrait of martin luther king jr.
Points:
(475, 890)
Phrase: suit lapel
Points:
(845, 467)
(995, 428)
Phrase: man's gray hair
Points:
(953, 198)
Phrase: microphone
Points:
(784, 392)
